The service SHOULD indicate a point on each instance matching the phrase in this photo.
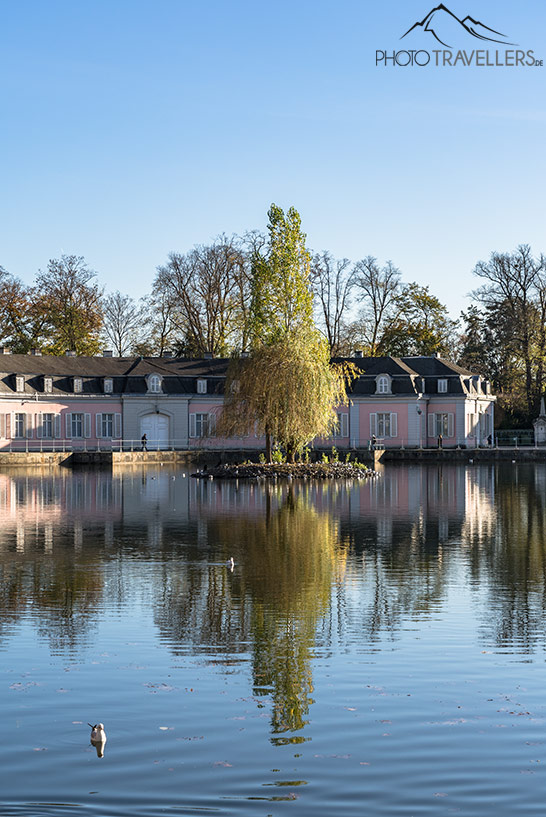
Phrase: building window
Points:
(20, 382)
(154, 383)
(19, 429)
(341, 428)
(77, 425)
(383, 385)
(384, 424)
(47, 425)
(107, 429)
(440, 423)
(485, 425)
(202, 425)
(442, 386)
(78, 385)
(48, 385)
(201, 387)
(108, 385)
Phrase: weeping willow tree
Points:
(286, 389)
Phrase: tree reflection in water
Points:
(301, 550)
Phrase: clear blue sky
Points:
(130, 129)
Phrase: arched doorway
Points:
(156, 428)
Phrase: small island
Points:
(287, 470)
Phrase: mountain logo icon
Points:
(443, 25)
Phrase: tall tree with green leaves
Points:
(282, 297)
(287, 386)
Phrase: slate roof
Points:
(180, 375)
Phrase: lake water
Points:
(378, 648)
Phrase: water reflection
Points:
(315, 563)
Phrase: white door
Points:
(156, 428)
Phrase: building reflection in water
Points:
(310, 557)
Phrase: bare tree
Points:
(159, 331)
(205, 289)
(332, 282)
(515, 284)
(377, 288)
(122, 322)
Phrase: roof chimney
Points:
(37, 352)
(70, 353)
(107, 353)
(167, 353)
(5, 350)
(358, 353)
(208, 355)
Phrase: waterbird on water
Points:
(98, 737)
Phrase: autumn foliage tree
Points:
(72, 299)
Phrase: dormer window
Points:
(19, 382)
(78, 385)
(383, 384)
(154, 384)
(442, 386)
(201, 387)
(48, 385)
(108, 385)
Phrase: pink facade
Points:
(202, 418)
(31, 425)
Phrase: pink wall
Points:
(438, 407)
(32, 410)
(208, 407)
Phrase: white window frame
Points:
(442, 385)
(383, 384)
(48, 385)
(381, 427)
(40, 425)
(77, 423)
(107, 425)
(201, 386)
(108, 385)
(100, 425)
(441, 422)
(341, 428)
(19, 425)
(78, 385)
(154, 383)
(202, 424)
(55, 425)
(19, 382)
